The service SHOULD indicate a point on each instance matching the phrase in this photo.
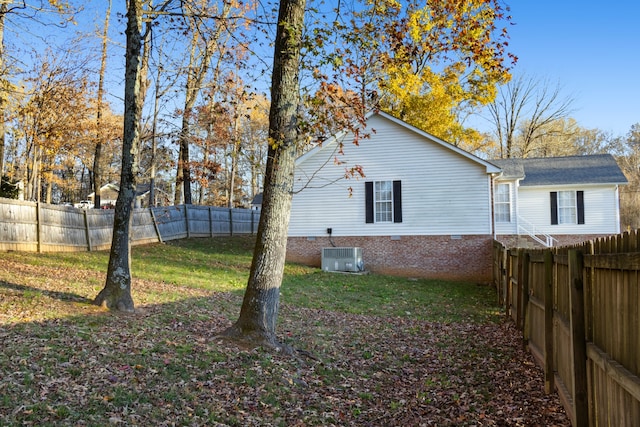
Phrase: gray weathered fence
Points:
(31, 226)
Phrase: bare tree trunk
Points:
(3, 100)
(97, 158)
(116, 294)
(520, 112)
(194, 79)
(195, 76)
(154, 142)
(259, 312)
(235, 150)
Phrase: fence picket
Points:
(596, 365)
(30, 226)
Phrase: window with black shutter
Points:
(567, 207)
(383, 201)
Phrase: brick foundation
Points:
(437, 257)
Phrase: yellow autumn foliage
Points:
(442, 60)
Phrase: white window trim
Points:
(389, 201)
(509, 203)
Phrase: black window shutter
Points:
(368, 201)
(580, 202)
(554, 208)
(397, 201)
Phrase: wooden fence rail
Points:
(578, 309)
(31, 226)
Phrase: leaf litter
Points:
(66, 362)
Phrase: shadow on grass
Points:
(62, 296)
(164, 364)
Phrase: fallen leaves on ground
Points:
(165, 365)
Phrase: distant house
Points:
(557, 200)
(256, 202)
(109, 195)
(427, 208)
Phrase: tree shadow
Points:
(62, 296)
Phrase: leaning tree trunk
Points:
(116, 294)
(259, 312)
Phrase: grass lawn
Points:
(386, 350)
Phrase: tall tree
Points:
(259, 312)
(116, 294)
(52, 116)
(203, 45)
(230, 124)
(3, 83)
(29, 11)
(345, 90)
(97, 160)
(522, 114)
(627, 152)
(426, 62)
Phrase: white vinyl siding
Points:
(443, 192)
(600, 209)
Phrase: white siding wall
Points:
(600, 209)
(443, 193)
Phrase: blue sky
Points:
(591, 49)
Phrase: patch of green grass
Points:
(432, 300)
(221, 264)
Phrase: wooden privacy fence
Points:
(31, 226)
(578, 308)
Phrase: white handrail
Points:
(539, 236)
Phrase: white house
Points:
(557, 200)
(426, 208)
(423, 207)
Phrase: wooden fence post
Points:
(519, 290)
(252, 221)
(186, 221)
(526, 263)
(38, 227)
(549, 369)
(230, 222)
(86, 229)
(155, 224)
(578, 342)
(210, 222)
(509, 294)
(504, 273)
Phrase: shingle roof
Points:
(257, 200)
(592, 169)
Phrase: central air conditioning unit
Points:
(342, 259)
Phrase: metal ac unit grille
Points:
(342, 259)
(339, 252)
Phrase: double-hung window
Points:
(382, 195)
(567, 207)
(383, 201)
(503, 202)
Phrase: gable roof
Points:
(490, 167)
(591, 169)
